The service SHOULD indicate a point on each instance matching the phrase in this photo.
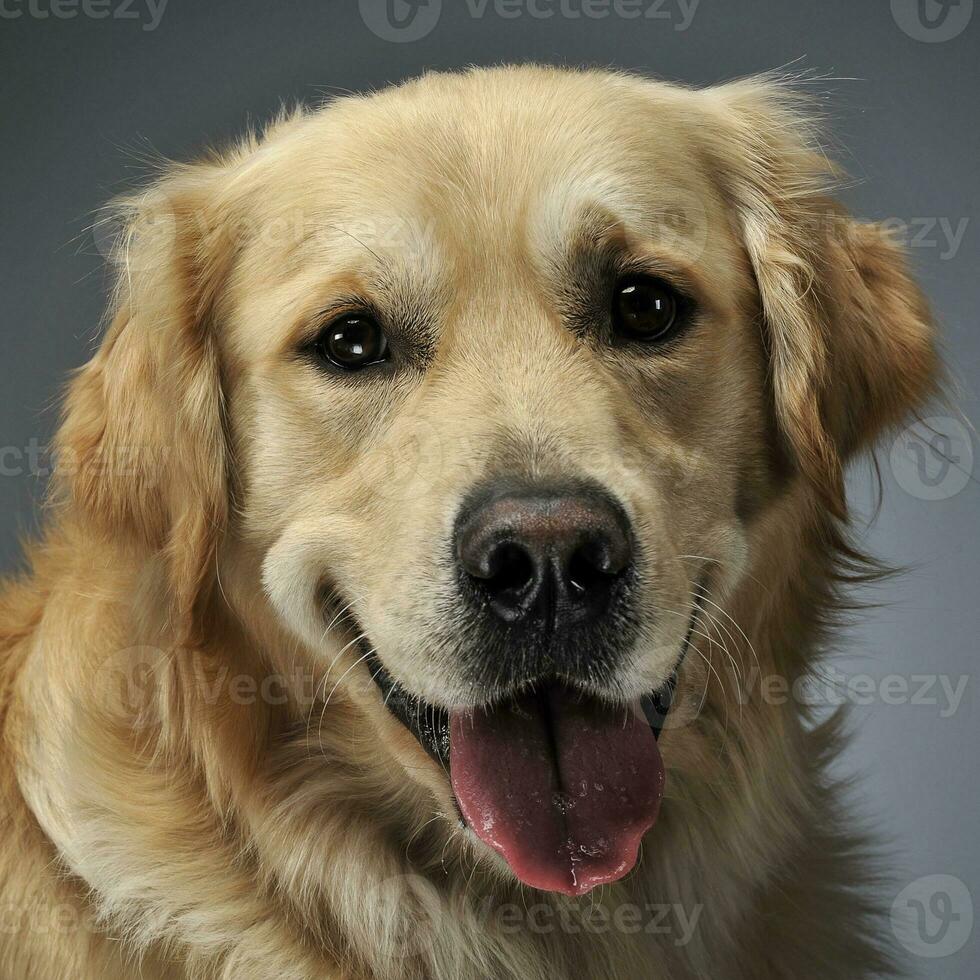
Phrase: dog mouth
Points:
(430, 724)
(560, 783)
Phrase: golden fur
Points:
(199, 778)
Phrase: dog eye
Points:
(645, 308)
(353, 341)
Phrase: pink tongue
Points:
(562, 786)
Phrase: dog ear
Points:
(141, 453)
(849, 334)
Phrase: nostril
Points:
(592, 567)
(511, 570)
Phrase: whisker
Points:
(734, 623)
(716, 561)
(333, 690)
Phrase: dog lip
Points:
(427, 722)
(430, 723)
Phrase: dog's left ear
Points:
(850, 336)
(141, 453)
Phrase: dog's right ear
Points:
(141, 455)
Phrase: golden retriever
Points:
(458, 459)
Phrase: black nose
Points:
(545, 557)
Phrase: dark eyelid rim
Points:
(344, 306)
(686, 286)
(305, 346)
(687, 316)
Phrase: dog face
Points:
(494, 384)
(544, 352)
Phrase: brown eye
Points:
(644, 309)
(352, 342)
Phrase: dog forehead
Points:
(484, 153)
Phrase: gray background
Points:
(83, 99)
